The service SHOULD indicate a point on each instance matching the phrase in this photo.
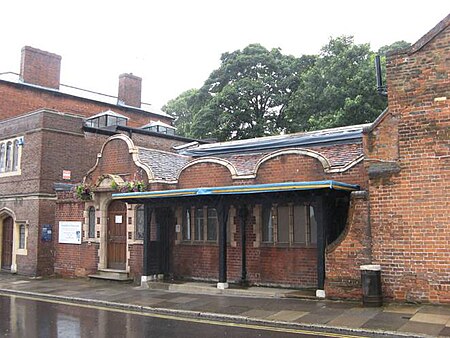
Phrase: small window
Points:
(22, 236)
(187, 225)
(140, 222)
(312, 226)
(2, 157)
(199, 224)
(212, 225)
(267, 224)
(91, 229)
(8, 157)
(10, 153)
(15, 163)
(283, 224)
(300, 224)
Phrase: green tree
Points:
(338, 90)
(183, 108)
(397, 45)
(249, 93)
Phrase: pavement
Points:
(257, 305)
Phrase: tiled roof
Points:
(164, 165)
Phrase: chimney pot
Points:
(40, 68)
(130, 87)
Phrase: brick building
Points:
(52, 133)
(302, 210)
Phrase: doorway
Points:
(7, 243)
(117, 236)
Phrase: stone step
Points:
(111, 274)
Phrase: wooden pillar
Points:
(322, 218)
(146, 259)
(222, 213)
(243, 214)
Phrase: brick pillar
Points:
(130, 90)
(40, 68)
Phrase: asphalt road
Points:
(28, 317)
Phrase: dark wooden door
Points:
(117, 235)
(7, 242)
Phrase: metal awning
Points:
(238, 190)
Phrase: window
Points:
(140, 222)
(2, 157)
(201, 224)
(91, 226)
(10, 155)
(22, 236)
(187, 225)
(267, 220)
(212, 225)
(106, 119)
(294, 223)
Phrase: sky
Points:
(175, 44)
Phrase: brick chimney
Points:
(130, 90)
(40, 68)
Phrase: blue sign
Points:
(46, 234)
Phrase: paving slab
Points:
(287, 315)
(386, 321)
(404, 309)
(422, 328)
(255, 313)
(430, 318)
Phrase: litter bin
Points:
(371, 285)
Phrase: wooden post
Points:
(222, 213)
(146, 264)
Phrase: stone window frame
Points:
(91, 222)
(275, 241)
(140, 208)
(97, 225)
(17, 238)
(11, 160)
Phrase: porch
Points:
(285, 255)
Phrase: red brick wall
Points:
(410, 197)
(290, 168)
(205, 175)
(19, 99)
(349, 251)
(116, 159)
(73, 259)
(40, 68)
(266, 265)
(135, 261)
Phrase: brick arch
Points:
(126, 155)
(206, 173)
(290, 166)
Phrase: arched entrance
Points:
(7, 243)
(117, 236)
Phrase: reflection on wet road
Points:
(27, 317)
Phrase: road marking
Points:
(191, 320)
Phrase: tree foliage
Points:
(338, 90)
(257, 92)
(250, 91)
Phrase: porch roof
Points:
(237, 190)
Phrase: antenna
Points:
(382, 90)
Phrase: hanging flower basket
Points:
(133, 186)
(83, 192)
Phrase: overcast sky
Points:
(175, 44)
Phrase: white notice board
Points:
(69, 232)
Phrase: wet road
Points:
(27, 317)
